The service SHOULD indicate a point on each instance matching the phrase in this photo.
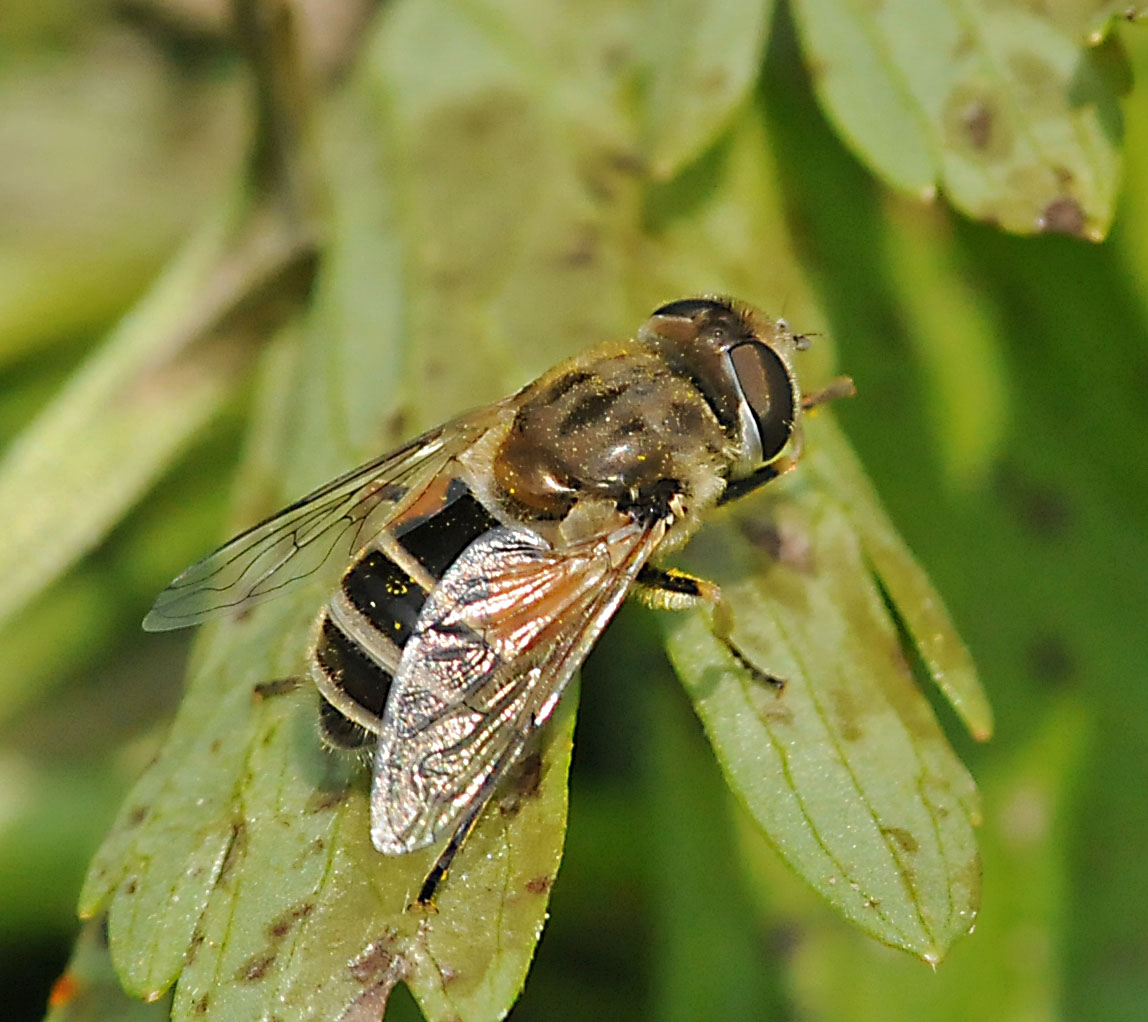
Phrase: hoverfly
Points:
(486, 557)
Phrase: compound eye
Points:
(691, 308)
(768, 391)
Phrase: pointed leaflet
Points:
(90, 989)
(1001, 106)
(847, 769)
(1027, 852)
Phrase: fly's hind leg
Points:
(466, 824)
(442, 864)
(668, 589)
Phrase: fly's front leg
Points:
(668, 589)
(838, 387)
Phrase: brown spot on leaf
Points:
(235, 850)
(255, 968)
(898, 659)
(975, 124)
(282, 924)
(977, 120)
(582, 250)
(847, 714)
(200, 1006)
(775, 714)
(277, 687)
(396, 428)
(326, 798)
(540, 885)
(524, 784)
(137, 816)
(193, 946)
(375, 960)
(969, 874)
(965, 44)
(1051, 660)
(1063, 216)
(1041, 508)
(851, 731)
(628, 161)
(605, 171)
(783, 542)
(904, 839)
(131, 887)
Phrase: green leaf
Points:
(917, 603)
(269, 884)
(88, 216)
(954, 340)
(522, 100)
(1026, 853)
(1000, 106)
(130, 410)
(703, 61)
(90, 991)
(846, 769)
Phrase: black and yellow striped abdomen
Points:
(368, 621)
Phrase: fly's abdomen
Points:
(368, 621)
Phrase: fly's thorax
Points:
(607, 429)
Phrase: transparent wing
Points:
(324, 527)
(494, 647)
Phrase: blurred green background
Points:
(1001, 413)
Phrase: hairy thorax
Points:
(611, 432)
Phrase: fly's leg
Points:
(439, 870)
(767, 473)
(775, 683)
(838, 387)
(442, 864)
(667, 589)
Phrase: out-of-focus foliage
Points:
(1000, 415)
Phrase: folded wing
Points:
(493, 649)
